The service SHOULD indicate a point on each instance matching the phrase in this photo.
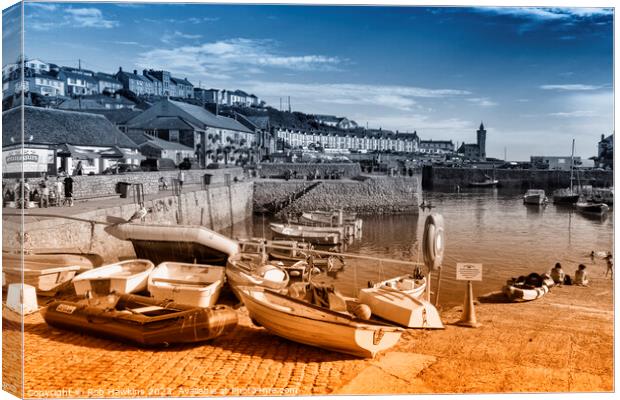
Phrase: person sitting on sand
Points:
(581, 276)
(557, 274)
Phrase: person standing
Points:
(181, 179)
(44, 193)
(610, 266)
(69, 190)
(58, 191)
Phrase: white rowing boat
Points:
(400, 300)
(306, 323)
(129, 276)
(307, 233)
(45, 278)
(246, 270)
(181, 243)
(195, 285)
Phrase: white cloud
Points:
(46, 17)
(573, 114)
(169, 38)
(546, 14)
(482, 101)
(402, 98)
(226, 58)
(570, 87)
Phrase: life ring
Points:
(433, 241)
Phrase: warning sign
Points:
(468, 272)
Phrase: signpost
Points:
(468, 272)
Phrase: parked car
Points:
(158, 164)
(121, 169)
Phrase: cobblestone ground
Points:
(11, 357)
(249, 361)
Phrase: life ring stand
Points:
(433, 241)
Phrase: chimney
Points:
(120, 69)
(135, 72)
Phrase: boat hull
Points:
(194, 285)
(592, 208)
(129, 276)
(316, 237)
(171, 323)
(47, 280)
(307, 324)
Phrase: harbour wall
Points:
(437, 177)
(217, 207)
(324, 170)
(374, 195)
(94, 186)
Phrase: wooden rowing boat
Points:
(400, 300)
(195, 285)
(180, 243)
(128, 276)
(141, 320)
(297, 232)
(244, 270)
(46, 279)
(317, 326)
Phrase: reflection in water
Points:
(492, 227)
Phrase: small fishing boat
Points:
(244, 270)
(46, 279)
(290, 252)
(297, 232)
(591, 207)
(128, 276)
(487, 183)
(309, 324)
(332, 218)
(603, 195)
(85, 261)
(181, 243)
(535, 196)
(195, 285)
(528, 288)
(565, 196)
(141, 320)
(400, 300)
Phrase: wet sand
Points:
(562, 342)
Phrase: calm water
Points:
(488, 226)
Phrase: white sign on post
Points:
(468, 272)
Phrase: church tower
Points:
(481, 134)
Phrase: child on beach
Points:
(610, 266)
(557, 274)
(581, 276)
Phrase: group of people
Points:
(46, 192)
(581, 275)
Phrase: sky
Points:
(536, 77)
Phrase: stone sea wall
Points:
(376, 195)
(92, 186)
(514, 178)
(216, 208)
(325, 170)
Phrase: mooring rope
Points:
(90, 221)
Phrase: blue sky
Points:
(537, 77)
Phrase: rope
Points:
(90, 221)
(350, 255)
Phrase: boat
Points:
(590, 207)
(309, 324)
(528, 288)
(290, 252)
(487, 183)
(332, 218)
(399, 300)
(45, 278)
(245, 270)
(195, 285)
(180, 243)
(603, 195)
(141, 320)
(297, 232)
(128, 276)
(535, 196)
(567, 195)
(85, 261)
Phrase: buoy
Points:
(468, 318)
(17, 296)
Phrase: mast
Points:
(572, 154)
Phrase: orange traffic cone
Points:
(468, 318)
